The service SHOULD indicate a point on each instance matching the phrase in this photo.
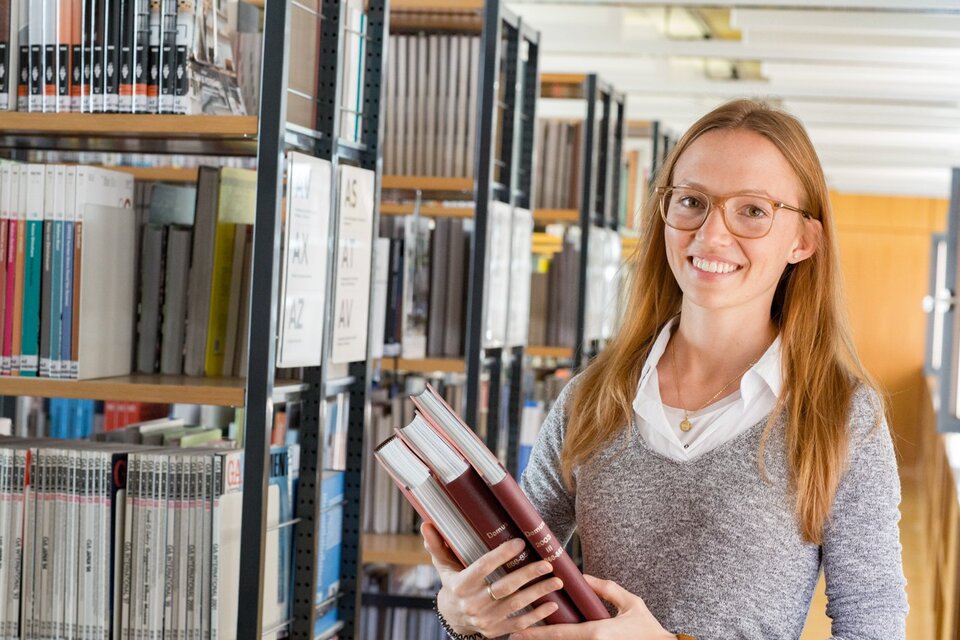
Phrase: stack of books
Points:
(454, 482)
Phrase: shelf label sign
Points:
(354, 254)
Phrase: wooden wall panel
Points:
(885, 256)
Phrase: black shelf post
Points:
(263, 316)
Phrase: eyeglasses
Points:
(746, 215)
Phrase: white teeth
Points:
(714, 267)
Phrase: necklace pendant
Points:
(686, 425)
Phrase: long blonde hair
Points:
(820, 366)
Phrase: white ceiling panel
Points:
(876, 83)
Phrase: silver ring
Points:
(493, 597)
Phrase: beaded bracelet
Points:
(450, 632)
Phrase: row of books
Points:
(558, 159)
(429, 261)
(127, 56)
(553, 310)
(194, 275)
(431, 104)
(67, 245)
(119, 541)
(122, 539)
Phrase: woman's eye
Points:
(690, 202)
(755, 212)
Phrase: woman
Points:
(727, 444)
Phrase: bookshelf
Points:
(600, 160)
(266, 138)
(502, 156)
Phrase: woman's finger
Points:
(512, 582)
(443, 558)
(610, 591)
(511, 625)
(489, 561)
(531, 594)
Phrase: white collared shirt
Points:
(725, 419)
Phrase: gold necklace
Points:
(685, 424)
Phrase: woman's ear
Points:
(807, 242)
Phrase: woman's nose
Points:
(714, 226)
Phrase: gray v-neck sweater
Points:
(714, 550)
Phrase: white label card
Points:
(354, 254)
(305, 256)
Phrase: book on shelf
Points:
(437, 449)
(559, 172)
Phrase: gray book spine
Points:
(201, 270)
(436, 322)
(175, 300)
(151, 291)
(457, 259)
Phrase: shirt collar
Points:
(765, 373)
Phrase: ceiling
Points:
(876, 83)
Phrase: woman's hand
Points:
(467, 605)
(632, 622)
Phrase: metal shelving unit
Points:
(599, 189)
(509, 83)
(600, 176)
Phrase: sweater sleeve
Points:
(862, 563)
(542, 481)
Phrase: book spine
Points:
(11, 269)
(76, 54)
(543, 541)
(23, 62)
(152, 76)
(5, 29)
(491, 522)
(125, 18)
(184, 43)
(141, 57)
(98, 34)
(5, 200)
(32, 270)
(18, 279)
(219, 299)
(48, 62)
(167, 62)
(6, 526)
(64, 40)
(111, 57)
(46, 279)
(72, 304)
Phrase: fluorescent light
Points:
(848, 23)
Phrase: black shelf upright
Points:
(276, 136)
(601, 163)
(509, 85)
